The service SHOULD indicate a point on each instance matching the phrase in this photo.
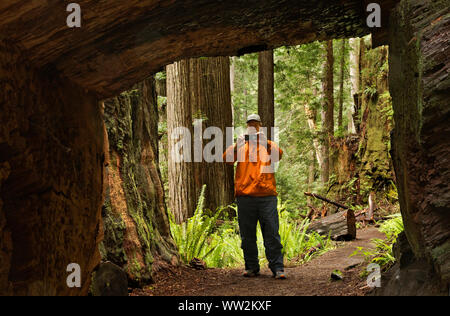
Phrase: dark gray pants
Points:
(263, 209)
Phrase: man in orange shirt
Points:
(256, 196)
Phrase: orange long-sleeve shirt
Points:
(249, 178)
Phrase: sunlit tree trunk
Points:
(198, 91)
(311, 115)
(327, 109)
(232, 78)
(182, 191)
(355, 80)
(311, 171)
(136, 226)
(266, 91)
(311, 120)
(341, 84)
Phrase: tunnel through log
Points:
(51, 179)
(120, 45)
(52, 134)
(420, 88)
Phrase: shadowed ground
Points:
(312, 278)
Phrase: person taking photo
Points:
(256, 196)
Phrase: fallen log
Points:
(340, 226)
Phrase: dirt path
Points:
(312, 278)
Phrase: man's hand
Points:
(262, 138)
(240, 142)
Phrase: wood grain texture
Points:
(51, 180)
(198, 89)
(121, 43)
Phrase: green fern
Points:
(191, 236)
(220, 247)
(383, 254)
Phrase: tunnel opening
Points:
(51, 197)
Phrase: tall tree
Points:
(136, 226)
(198, 89)
(311, 115)
(266, 90)
(311, 172)
(341, 83)
(232, 79)
(327, 108)
(355, 80)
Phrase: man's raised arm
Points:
(273, 146)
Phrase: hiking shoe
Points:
(279, 275)
(251, 273)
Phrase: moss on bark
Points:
(137, 234)
(362, 163)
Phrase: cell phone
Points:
(252, 137)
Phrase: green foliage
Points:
(371, 91)
(220, 246)
(245, 94)
(191, 237)
(160, 75)
(386, 106)
(382, 254)
(392, 227)
(299, 245)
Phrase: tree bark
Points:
(160, 86)
(311, 119)
(232, 78)
(198, 89)
(266, 91)
(52, 160)
(355, 80)
(341, 84)
(327, 109)
(137, 232)
(311, 171)
(354, 65)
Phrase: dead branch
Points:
(339, 205)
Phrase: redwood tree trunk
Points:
(232, 79)
(137, 234)
(198, 89)
(265, 91)
(327, 109)
(354, 78)
(341, 84)
(311, 171)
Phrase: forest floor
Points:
(312, 278)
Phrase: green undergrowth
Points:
(383, 254)
(218, 243)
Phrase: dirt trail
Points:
(312, 278)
